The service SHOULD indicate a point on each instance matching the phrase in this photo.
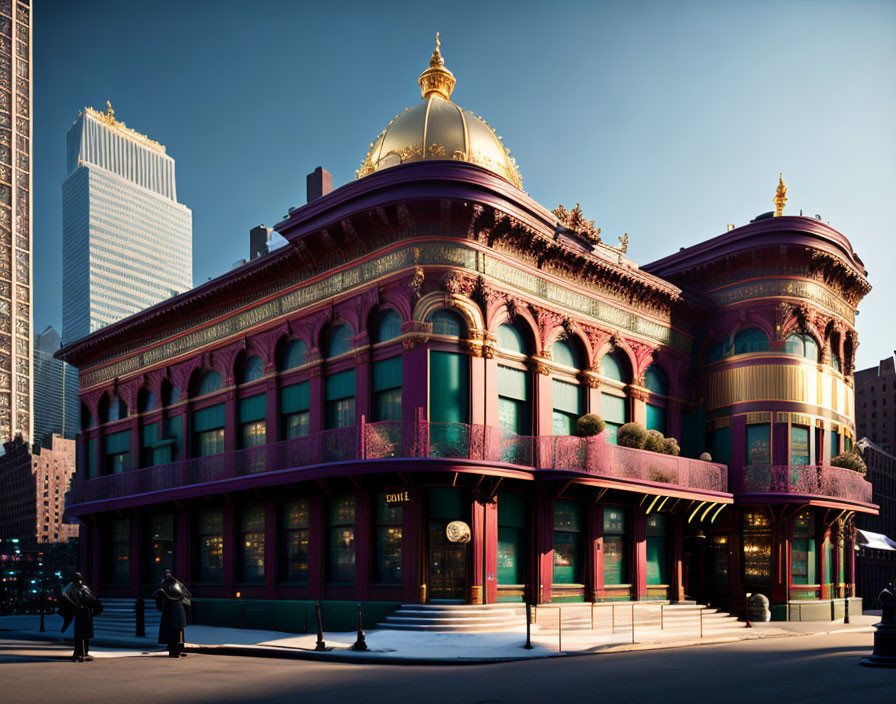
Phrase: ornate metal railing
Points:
(421, 439)
(810, 479)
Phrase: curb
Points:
(101, 642)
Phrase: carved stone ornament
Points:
(590, 379)
(575, 221)
(416, 282)
(458, 284)
(540, 365)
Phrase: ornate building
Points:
(308, 425)
(15, 220)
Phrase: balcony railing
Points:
(422, 439)
(819, 481)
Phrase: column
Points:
(135, 557)
(544, 546)
(363, 541)
(231, 424)
(316, 400)
(229, 552)
(183, 561)
(315, 547)
(677, 581)
(270, 549)
(596, 544)
(477, 545)
(272, 411)
(639, 563)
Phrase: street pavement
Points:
(813, 668)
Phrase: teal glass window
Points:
(514, 409)
(802, 550)
(118, 452)
(568, 542)
(341, 539)
(802, 345)
(210, 382)
(611, 367)
(93, 453)
(253, 369)
(449, 387)
(253, 426)
(295, 525)
(295, 403)
(159, 550)
(511, 532)
(799, 446)
(208, 431)
(833, 444)
(657, 558)
(719, 559)
(720, 445)
(210, 539)
(387, 326)
(339, 407)
(340, 340)
(511, 339)
(295, 354)
(568, 406)
(387, 376)
(656, 418)
(149, 436)
(613, 412)
(564, 352)
(117, 410)
(616, 545)
(759, 444)
(387, 548)
(446, 322)
(656, 381)
(750, 340)
(251, 543)
(828, 551)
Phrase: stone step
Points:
(449, 628)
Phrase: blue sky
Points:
(666, 120)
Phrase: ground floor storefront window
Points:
(296, 518)
(757, 541)
(210, 538)
(159, 547)
(511, 529)
(802, 550)
(657, 558)
(341, 540)
(616, 549)
(118, 557)
(568, 542)
(251, 545)
(387, 545)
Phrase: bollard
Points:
(140, 618)
(884, 654)
(833, 609)
(846, 610)
(321, 645)
(701, 622)
(361, 643)
(528, 645)
(560, 630)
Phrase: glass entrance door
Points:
(447, 564)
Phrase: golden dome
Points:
(437, 129)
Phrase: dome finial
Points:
(780, 199)
(437, 80)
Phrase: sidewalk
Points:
(411, 647)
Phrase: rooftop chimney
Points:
(319, 182)
(258, 241)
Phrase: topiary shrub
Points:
(631, 435)
(654, 441)
(590, 425)
(670, 447)
(850, 460)
(706, 457)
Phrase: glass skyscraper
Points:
(55, 390)
(126, 242)
(15, 219)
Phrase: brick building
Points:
(876, 404)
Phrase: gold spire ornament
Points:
(437, 80)
(780, 199)
(110, 113)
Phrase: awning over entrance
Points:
(877, 541)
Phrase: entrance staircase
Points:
(119, 619)
(456, 618)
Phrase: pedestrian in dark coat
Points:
(172, 598)
(79, 604)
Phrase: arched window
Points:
(750, 340)
(339, 340)
(511, 339)
(835, 362)
(87, 420)
(611, 367)
(568, 399)
(295, 354)
(720, 350)
(210, 382)
(564, 352)
(117, 409)
(146, 401)
(253, 369)
(386, 326)
(446, 322)
(802, 345)
(656, 381)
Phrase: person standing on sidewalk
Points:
(172, 598)
(78, 604)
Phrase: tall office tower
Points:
(876, 404)
(55, 391)
(15, 219)
(126, 241)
